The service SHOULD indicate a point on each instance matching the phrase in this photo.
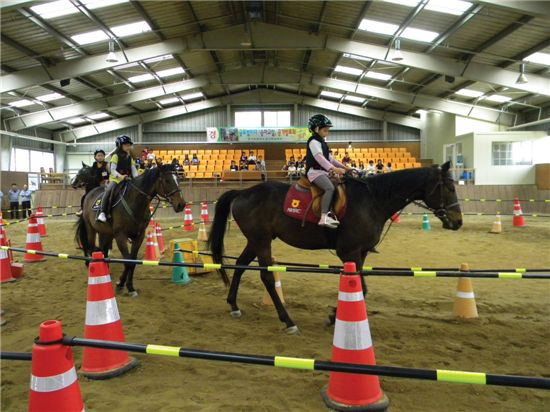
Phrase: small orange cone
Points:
(352, 343)
(267, 301)
(40, 221)
(497, 225)
(465, 301)
(103, 322)
(150, 251)
(160, 239)
(5, 264)
(188, 224)
(54, 383)
(395, 218)
(518, 220)
(202, 235)
(204, 212)
(33, 242)
(16, 267)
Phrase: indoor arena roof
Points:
(488, 60)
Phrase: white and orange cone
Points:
(103, 322)
(41, 222)
(395, 218)
(518, 220)
(5, 264)
(33, 242)
(465, 300)
(54, 382)
(160, 239)
(202, 235)
(150, 250)
(188, 224)
(352, 343)
(497, 225)
(204, 212)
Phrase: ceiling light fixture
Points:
(522, 78)
(111, 57)
(397, 55)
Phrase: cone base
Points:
(8, 280)
(381, 405)
(17, 270)
(132, 363)
(182, 281)
(33, 260)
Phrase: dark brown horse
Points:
(370, 203)
(130, 217)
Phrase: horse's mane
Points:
(148, 177)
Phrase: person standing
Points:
(13, 196)
(25, 196)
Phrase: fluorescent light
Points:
(348, 70)
(192, 96)
(50, 97)
(96, 4)
(170, 72)
(455, 7)
(498, 98)
(542, 58)
(54, 9)
(355, 99)
(331, 94)
(357, 57)
(131, 29)
(21, 103)
(378, 27)
(90, 37)
(126, 66)
(158, 59)
(406, 3)
(169, 100)
(98, 116)
(378, 76)
(76, 120)
(469, 93)
(419, 34)
(140, 78)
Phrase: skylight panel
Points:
(170, 100)
(469, 93)
(76, 120)
(348, 70)
(378, 27)
(170, 72)
(193, 96)
(21, 103)
(357, 57)
(140, 78)
(49, 97)
(159, 59)
(331, 94)
(456, 7)
(378, 75)
(542, 58)
(498, 98)
(99, 116)
(54, 9)
(90, 37)
(131, 29)
(97, 4)
(407, 3)
(419, 34)
(355, 99)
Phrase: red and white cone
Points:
(5, 264)
(41, 222)
(103, 322)
(150, 251)
(160, 240)
(395, 218)
(54, 383)
(518, 220)
(352, 343)
(188, 224)
(33, 242)
(204, 212)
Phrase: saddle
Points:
(338, 202)
(116, 196)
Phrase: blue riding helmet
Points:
(123, 139)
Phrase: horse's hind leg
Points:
(245, 258)
(136, 244)
(121, 241)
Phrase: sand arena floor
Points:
(411, 323)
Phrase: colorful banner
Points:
(257, 135)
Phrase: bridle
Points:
(442, 211)
(159, 197)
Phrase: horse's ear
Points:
(84, 164)
(445, 167)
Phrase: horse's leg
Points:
(122, 243)
(245, 258)
(359, 268)
(136, 244)
(105, 243)
(265, 259)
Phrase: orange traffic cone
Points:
(33, 242)
(16, 267)
(40, 220)
(352, 343)
(267, 301)
(150, 251)
(395, 218)
(465, 300)
(497, 225)
(204, 212)
(518, 214)
(5, 265)
(202, 235)
(160, 240)
(54, 383)
(188, 224)
(103, 322)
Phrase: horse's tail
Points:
(217, 231)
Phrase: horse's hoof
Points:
(330, 320)
(292, 330)
(236, 313)
(133, 294)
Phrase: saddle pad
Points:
(118, 195)
(298, 201)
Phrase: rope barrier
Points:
(278, 268)
(439, 375)
(6, 223)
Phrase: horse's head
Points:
(167, 187)
(84, 177)
(440, 197)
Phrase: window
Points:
(248, 119)
(263, 119)
(24, 160)
(512, 153)
(277, 119)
